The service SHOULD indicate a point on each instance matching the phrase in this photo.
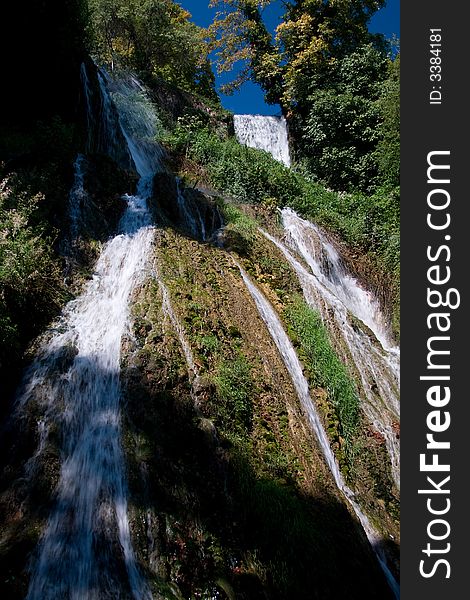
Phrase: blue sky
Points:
(250, 98)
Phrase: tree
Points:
(315, 35)
(339, 121)
(324, 68)
(239, 35)
(154, 37)
(388, 148)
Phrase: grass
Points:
(325, 370)
(367, 224)
(235, 387)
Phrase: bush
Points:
(325, 368)
(30, 283)
(234, 385)
(388, 149)
(368, 224)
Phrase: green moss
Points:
(369, 224)
(326, 370)
(235, 389)
(236, 482)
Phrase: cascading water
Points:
(191, 218)
(264, 133)
(104, 132)
(90, 113)
(138, 120)
(294, 368)
(329, 288)
(170, 313)
(75, 379)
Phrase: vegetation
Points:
(32, 211)
(227, 486)
(235, 389)
(329, 75)
(368, 224)
(154, 38)
(238, 485)
(325, 369)
(388, 148)
(29, 273)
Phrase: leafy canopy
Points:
(154, 37)
(329, 74)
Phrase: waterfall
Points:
(330, 288)
(168, 311)
(264, 133)
(190, 216)
(292, 363)
(75, 380)
(138, 122)
(90, 113)
(105, 134)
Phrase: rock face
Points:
(174, 103)
(100, 119)
(229, 493)
(187, 209)
(227, 483)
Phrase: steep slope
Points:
(221, 489)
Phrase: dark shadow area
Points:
(28, 483)
(42, 45)
(209, 508)
(213, 511)
(188, 210)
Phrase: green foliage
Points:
(154, 37)
(239, 35)
(366, 223)
(235, 388)
(324, 367)
(388, 148)
(338, 140)
(209, 345)
(29, 274)
(338, 126)
(245, 173)
(240, 229)
(326, 71)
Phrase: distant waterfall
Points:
(264, 133)
(75, 379)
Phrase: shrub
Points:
(324, 367)
(368, 224)
(30, 283)
(235, 386)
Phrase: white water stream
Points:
(77, 196)
(328, 287)
(191, 218)
(75, 379)
(264, 133)
(292, 363)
